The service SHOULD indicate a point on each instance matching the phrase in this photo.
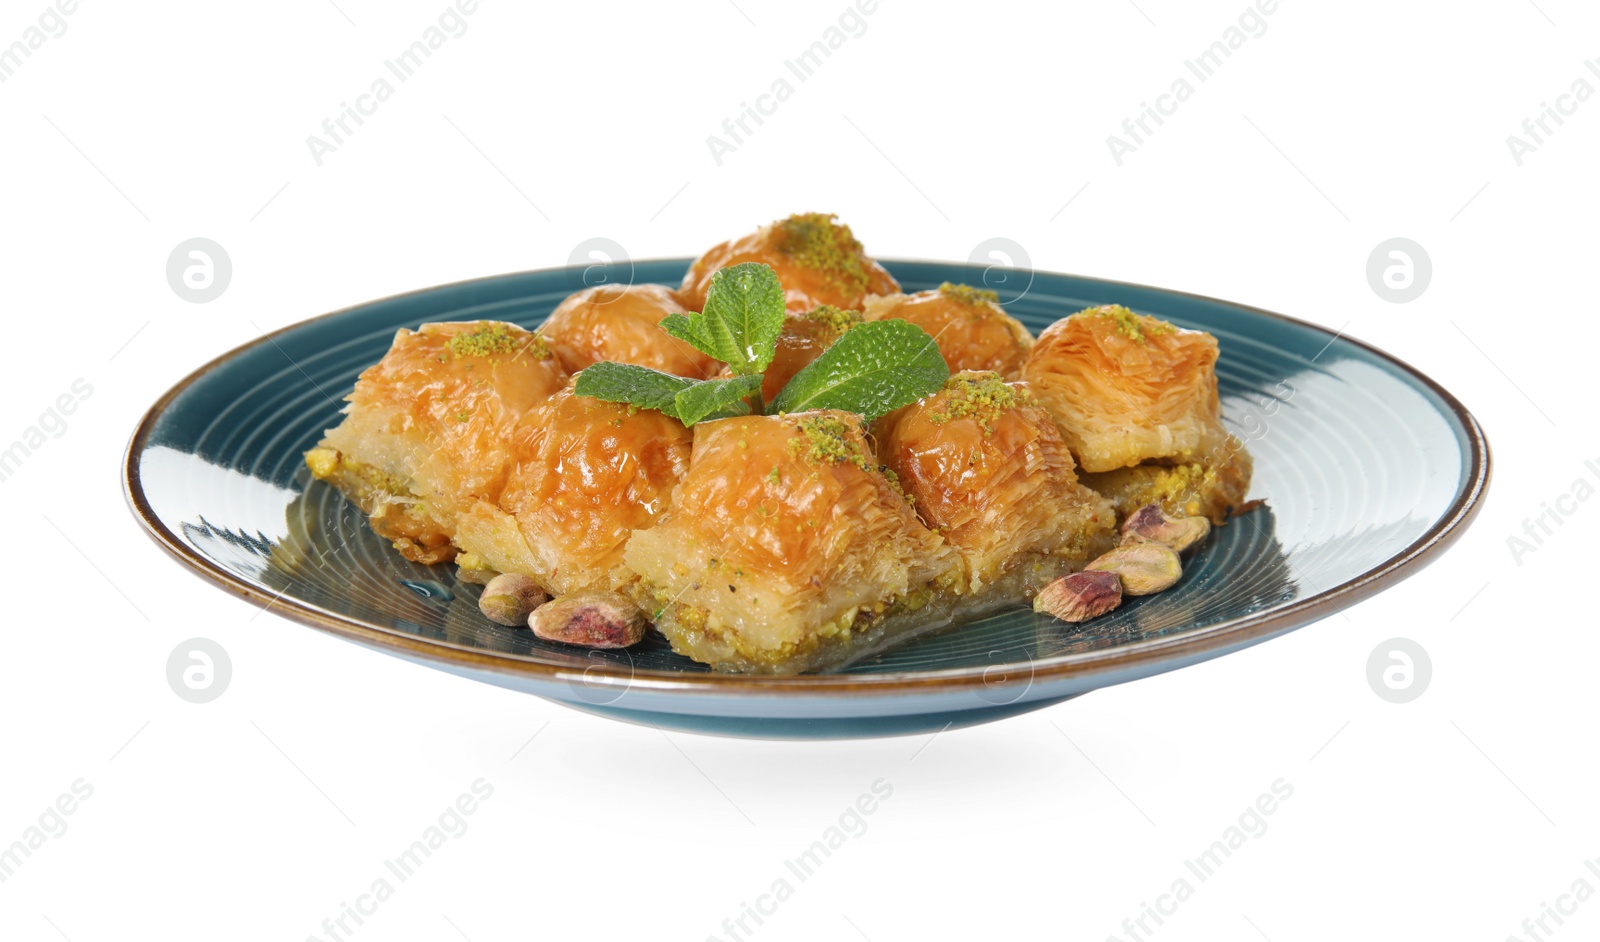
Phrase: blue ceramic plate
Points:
(1369, 469)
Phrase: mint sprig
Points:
(872, 369)
(742, 319)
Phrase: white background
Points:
(256, 816)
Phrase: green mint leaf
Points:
(635, 385)
(742, 318)
(687, 400)
(681, 327)
(715, 399)
(873, 369)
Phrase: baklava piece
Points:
(621, 323)
(818, 261)
(1136, 400)
(586, 474)
(987, 468)
(426, 433)
(786, 549)
(972, 330)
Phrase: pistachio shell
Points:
(1176, 533)
(1080, 596)
(1144, 566)
(509, 598)
(592, 619)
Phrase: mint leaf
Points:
(872, 370)
(687, 400)
(635, 385)
(715, 399)
(742, 318)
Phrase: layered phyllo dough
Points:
(1136, 400)
(987, 468)
(971, 328)
(622, 323)
(427, 431)
(818, 261)
(785, 546)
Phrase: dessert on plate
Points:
(786, 463)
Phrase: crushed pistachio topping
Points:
(827, 439)
(895, 484)
(815, 241)
(967, 294)
(835, 320)
(323, 461)
(487, 339)
(773, 477)
(1175, 488)
(1130, 325)
(978, 396)
(330, 464)
(490, 338)
(472, 561)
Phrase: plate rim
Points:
(1175, 650)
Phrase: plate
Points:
(1369, 471)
